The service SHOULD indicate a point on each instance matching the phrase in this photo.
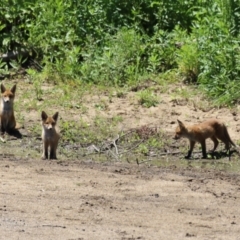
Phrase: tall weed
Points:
(117, 63)
(218, 57)
(161, 51)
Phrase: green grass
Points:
(148, 98)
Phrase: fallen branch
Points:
(115, 143)
(133, 147)
(109, 150)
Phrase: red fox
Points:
(50, 135)
(212, 128)
(7, 119)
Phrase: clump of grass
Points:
(121, 93)
(148, 98)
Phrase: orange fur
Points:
(7, 119)
(212, 129)
(50, 135)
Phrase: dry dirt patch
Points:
(86, 200)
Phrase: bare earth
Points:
(82, 199)
(46, 200)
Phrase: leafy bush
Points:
(217, 57)
(188, 61)
(161, 51)
(117, 63)
(114, 42)
(14, 17)
(209, 54)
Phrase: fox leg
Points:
(227, 145)
(204, 153)
(45, 151)
(2, 127)
(10, 126)
(53, 154)
(2, 130)
(215, 141)
(192, 144)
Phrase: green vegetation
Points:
(147, 98)
(115, 43)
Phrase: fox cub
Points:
(7, 119)
(212, 128)
(50, 135)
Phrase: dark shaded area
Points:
(14, 133)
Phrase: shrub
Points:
(117, 63)
(148, 98)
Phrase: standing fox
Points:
(50, 135)
(212, 128)
(7, 119)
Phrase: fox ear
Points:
(181, 125)
(55, 116)
(44, 116)
(13, 89)
(3, 89)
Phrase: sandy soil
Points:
(77, 200)
(82, 199)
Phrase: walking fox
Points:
(212, 128)
(7, 119)
(50, 135)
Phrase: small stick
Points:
(113, 154)
(115, 145)
(133, 147)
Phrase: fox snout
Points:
(49, 127)
(6, 99)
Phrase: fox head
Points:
(49, 123)
(180, 130)
(8, 95)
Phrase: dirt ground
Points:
(74, 198)
(77, 200)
